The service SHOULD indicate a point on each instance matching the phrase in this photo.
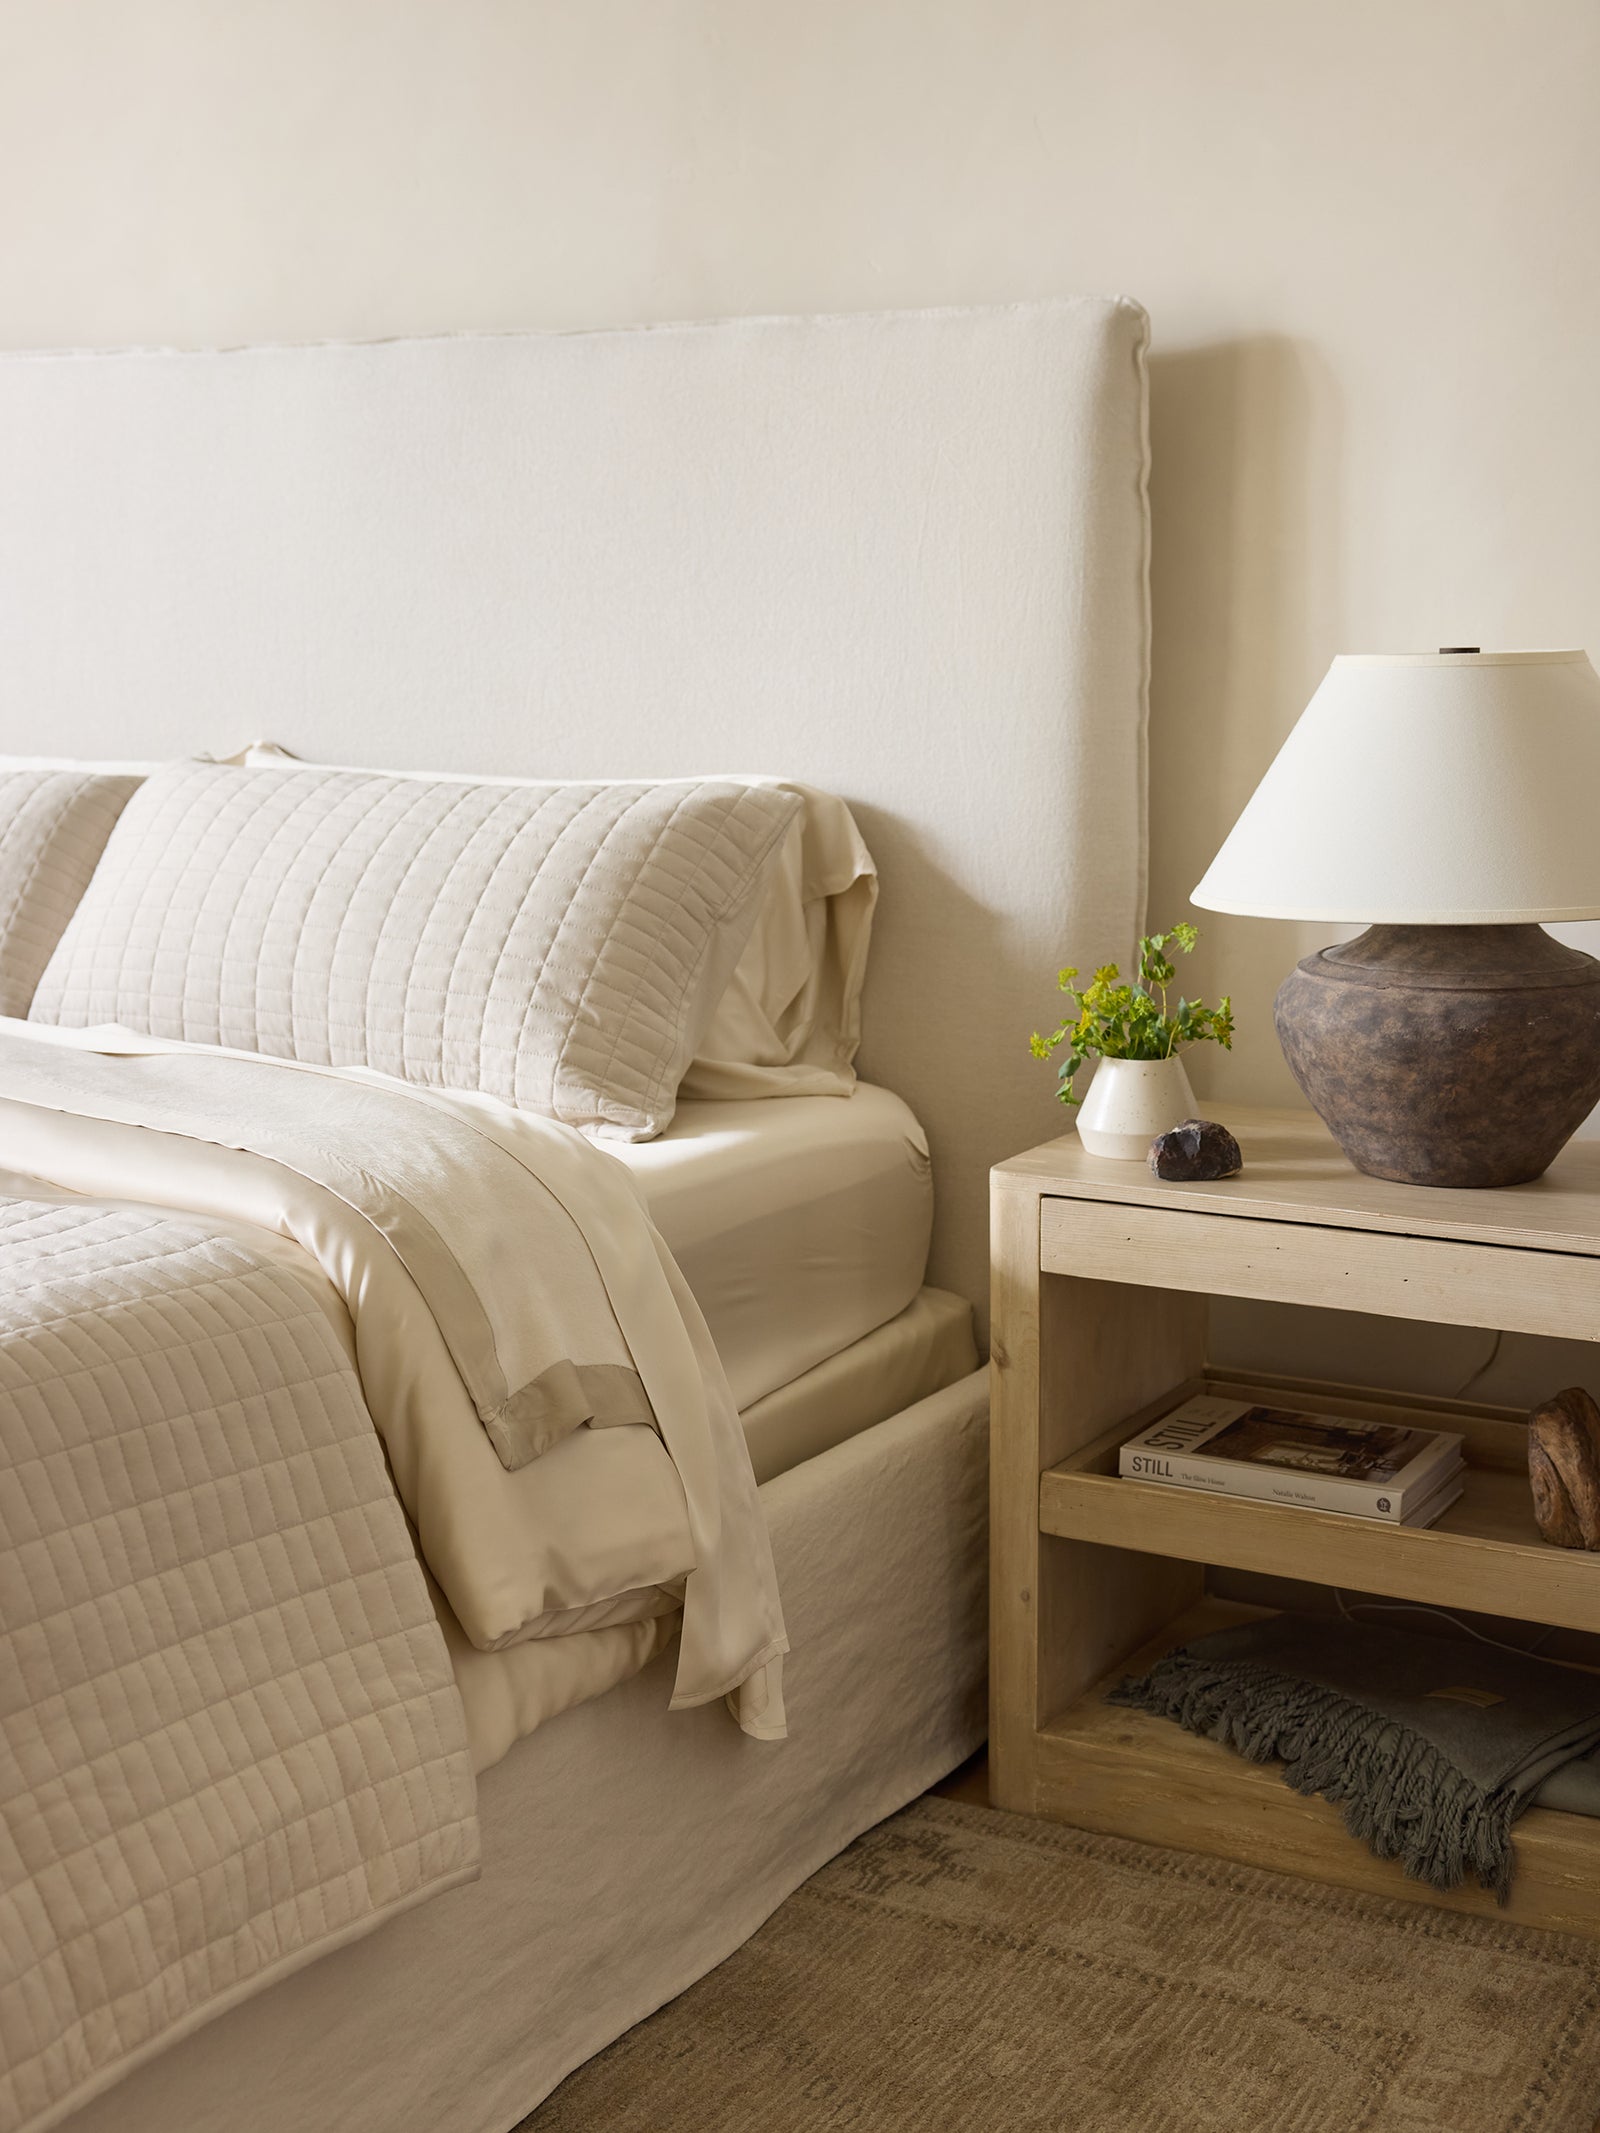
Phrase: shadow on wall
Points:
(1248, 603)
(1245, 582)
(918, 1041)
(1244, 585)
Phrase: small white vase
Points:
(1129, 1102)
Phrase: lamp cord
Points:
(1482, 1370)
(1407, 1607)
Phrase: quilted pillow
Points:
(559, 946)
(789, 1020)
(53, 827)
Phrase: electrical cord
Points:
(1409, 1607)
(1482, 1370)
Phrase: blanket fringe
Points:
(1398, 1793)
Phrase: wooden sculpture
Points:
(1564, 1468)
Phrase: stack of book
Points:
(1382, 1470)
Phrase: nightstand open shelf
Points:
(1102, 1277)
(1486, 1543)
(1125, 1773)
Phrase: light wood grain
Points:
(1102, 1342)
(1393, 1276)
(1485, 1553)
(1131, 1775)
(1059, 1612)
(1105, 1328)
(1016, 1457)
(1294, 1173)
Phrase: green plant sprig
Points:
(1113, 1018)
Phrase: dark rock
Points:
(1197, 1150)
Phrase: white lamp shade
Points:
(1457, 789)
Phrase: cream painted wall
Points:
(1365, 233)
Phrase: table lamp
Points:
(1449, 803)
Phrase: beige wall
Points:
(1365, 233)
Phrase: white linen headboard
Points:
(903, 557)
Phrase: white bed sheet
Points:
(928, 1345)
(801, 1223)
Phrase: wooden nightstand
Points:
(1101, 1278)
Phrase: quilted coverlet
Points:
(267, 1332)
(229, 1736)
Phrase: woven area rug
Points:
(962, 1971)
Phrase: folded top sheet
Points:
(500, 1243)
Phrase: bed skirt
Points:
(628, 1849)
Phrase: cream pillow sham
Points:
(558, 946)
(54, 822)
(788, 1022)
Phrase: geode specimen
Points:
(1194, 1152)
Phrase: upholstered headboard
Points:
(900, 556)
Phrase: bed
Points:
(902, 559)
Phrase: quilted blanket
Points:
(229, 1737)
(267, 1331)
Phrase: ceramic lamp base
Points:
(1446, 1055)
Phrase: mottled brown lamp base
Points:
(1446, 1055)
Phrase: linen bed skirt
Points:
(628, 1849)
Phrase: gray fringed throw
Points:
(1431, 1746)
